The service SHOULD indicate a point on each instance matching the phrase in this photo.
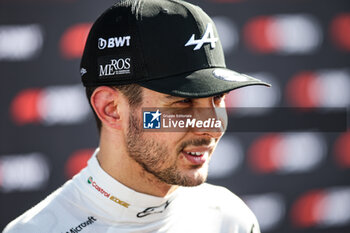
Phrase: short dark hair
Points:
(133, 92)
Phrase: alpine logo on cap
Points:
(208, 37)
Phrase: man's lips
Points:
(200, 149)
(197, 155)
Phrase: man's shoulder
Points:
(43, 216)
(217, 194)
(29, 220)
(232, 209)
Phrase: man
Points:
(141, 54)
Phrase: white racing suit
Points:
(95, 202)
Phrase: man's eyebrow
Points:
(170, 97)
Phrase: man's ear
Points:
(106, 102)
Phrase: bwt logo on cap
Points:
(151, 120)
(113, 42)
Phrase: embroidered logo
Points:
(81, 226)
(208, 37)
(114, 66)
(113, 42)
(83, 71)
(91, 181)
(153, 210)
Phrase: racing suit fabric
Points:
(93, 201)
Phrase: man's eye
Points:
(185, 101)
(219, 97)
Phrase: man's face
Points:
(176, 158)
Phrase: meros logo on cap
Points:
(112, 66)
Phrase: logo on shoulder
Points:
(208, 37)
(153, 210)
(113, 42)
(106, 194)
(82, 225)
(151, 120)
(97, 187)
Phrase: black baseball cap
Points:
(169, 46)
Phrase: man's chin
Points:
(189, 176)
(195, 177)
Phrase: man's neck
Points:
(116, 162)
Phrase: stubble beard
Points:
(151, 155)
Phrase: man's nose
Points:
(214, 118)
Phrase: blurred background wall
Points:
(294, 181)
